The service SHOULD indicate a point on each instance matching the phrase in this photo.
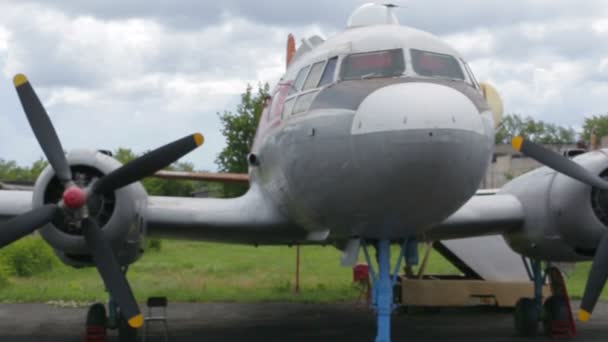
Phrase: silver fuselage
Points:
(395, 157)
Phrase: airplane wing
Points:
(251, 218)
(204, 176)
(487, 213)
(247, 219)
(14, 202)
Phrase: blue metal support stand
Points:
(384, 288)
(384, 280)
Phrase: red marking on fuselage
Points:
(271, 116)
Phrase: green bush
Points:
(27, 257)
(154, 244)
(3, 277)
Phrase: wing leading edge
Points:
(250, 219)
(484, 214)
(14, 203)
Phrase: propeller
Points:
(75, 198)
(599, 269)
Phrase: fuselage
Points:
(379, 132)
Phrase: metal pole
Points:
(538, 283)
(384, 285)
(298, 269)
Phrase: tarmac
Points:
(249, 322)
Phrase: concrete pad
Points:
(285, 322)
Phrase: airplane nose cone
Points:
(421, 150)
(415, 106)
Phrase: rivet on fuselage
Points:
(453, 119)
(359, 124)
(405, 120)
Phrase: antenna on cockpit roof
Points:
(373, 14)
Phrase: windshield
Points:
(433, 64)
(373, 64)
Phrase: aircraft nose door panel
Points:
(416, 105)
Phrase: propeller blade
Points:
(19, 226)
(558, 162)
(109, 269)
(596, 280)
(43, 128)
(147, 164)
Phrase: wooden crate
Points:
(464, 292)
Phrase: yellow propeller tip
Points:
(199, 139)
(19, 79)
(517, 142)
(584, 315)
(136, 321)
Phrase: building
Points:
(507, 163)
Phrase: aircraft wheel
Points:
(96, 323)
(555, 309)
(526, 317)
(125, 332)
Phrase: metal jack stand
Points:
(383, 282)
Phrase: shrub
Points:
(27, 257)
(154, 244)
(3, 277)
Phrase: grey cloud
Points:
(141, 73)
(437, 16)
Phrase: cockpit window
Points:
(314, 76)
(373, 64)
(434, 64)
(467, 67)
(297, 85)
(328, 73)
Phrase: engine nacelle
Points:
(119, 214)
(564, 218)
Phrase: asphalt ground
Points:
(286, 322)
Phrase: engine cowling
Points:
(119, 213)
(564, 218)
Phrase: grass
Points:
(207, 272)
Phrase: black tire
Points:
(527, 316)
(554, 309)
(96, 323)
(125, 332)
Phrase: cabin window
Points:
(314, 76)
(297, 85)
(304, 102)
(373, 64)
(432, 64)
(288, 107)
(328, 73)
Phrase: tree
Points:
(9, 170)
(535, 130)
(597, 122)
(169, 187)
(239, 128)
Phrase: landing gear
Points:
(125, 332)
(383, 283)
(527, 310)
(555, 313)
(527, 315)
(96, 323)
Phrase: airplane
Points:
(379, 135)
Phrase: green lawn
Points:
(197, 271)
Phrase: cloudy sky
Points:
(141, 73)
